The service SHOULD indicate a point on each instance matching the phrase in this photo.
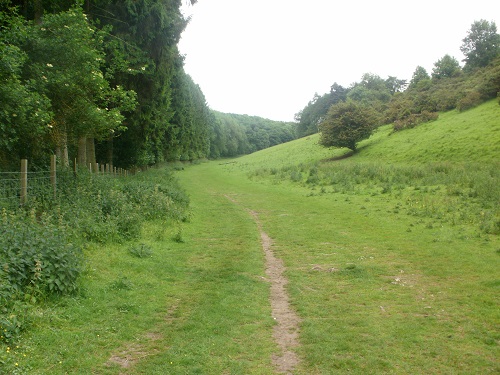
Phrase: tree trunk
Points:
(110, 150)
(82, 152)
(91, 150)
(62, 149)
(38, 11)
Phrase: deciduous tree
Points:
(446, 67)
(419, 75)
(346, 124)
(481, 45)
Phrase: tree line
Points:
(103, 80)
(346, 115)
(235, 134)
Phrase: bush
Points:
(414, 119)
(471, 100)
(38, 258)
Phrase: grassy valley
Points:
(391, 257)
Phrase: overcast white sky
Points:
(268, 57)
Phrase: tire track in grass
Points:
(286, 330)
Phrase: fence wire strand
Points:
(39, 186)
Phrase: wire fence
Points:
(16, 187)
(9, 189)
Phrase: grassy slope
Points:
(471, 136)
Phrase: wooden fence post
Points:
(53, 176)
(24, 181)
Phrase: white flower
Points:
(50, 65)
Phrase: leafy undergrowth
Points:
(43, 244)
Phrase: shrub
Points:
(414, 119)
(471, 100)
(38, 258)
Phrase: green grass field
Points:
(392, 257)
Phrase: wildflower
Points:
(50, 65)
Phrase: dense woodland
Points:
(103, 81)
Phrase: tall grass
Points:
(458, 194)
(447, 170)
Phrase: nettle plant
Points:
(37, 258)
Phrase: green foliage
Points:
(414, 119)
(75, 74)
(446, 67)
(24, 112)
(481, 45)
(38, 257)
(40, 244)
(37, 260)
(419, 75)
(372, 89)
(346, 124)
(470, 100)
(309, 118)
(141, 250)
(235, 134)
(82, 99)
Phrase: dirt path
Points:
(285, 332)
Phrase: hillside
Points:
(447, 170)
(456, 137)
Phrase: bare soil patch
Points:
(286, 330)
